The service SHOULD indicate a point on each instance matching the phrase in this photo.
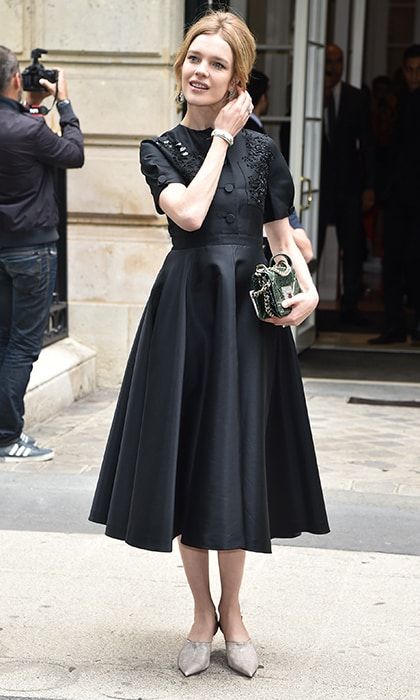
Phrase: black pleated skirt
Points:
(210, 438)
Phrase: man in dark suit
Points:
(346, 176)
(401, 262)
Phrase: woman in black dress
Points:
(211, 441)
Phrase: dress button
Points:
(229, 187)
(162, 179)
(230, 218)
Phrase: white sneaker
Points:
(21, 451)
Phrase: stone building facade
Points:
(117, 58)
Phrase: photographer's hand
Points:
(58, 89)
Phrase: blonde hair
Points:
(234, 31)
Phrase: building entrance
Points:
(291, 39)
(372, 35)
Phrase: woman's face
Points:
(207, 70)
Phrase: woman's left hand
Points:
(302, 305)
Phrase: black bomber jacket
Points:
(29, 153)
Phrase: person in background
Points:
(401, 261)
(258, 87)
(347, 176)
(383, 106)
(29, 153)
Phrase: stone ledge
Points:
(64, 372)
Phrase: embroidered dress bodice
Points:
(254, 187)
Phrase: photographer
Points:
(29, 151)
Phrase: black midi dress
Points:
(210, 438)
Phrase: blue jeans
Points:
(27, 281)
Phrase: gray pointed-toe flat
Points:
(194, 657)
(242, 657)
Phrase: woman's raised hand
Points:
(234, 115)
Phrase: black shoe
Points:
(415, 337)
(353, 317)
(389, 337)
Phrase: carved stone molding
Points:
(92, 219)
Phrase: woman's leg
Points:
(196, 566)
(231, 567)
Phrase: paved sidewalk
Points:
(84, 617)
(362, 447)
(368, 449)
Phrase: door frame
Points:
(306, 127)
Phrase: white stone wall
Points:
(117, 58)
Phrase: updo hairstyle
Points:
(234, 31)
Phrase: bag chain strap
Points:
(266, 297)
(267, 305)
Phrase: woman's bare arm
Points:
(188, 206)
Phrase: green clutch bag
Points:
(272, 285)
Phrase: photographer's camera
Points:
(33, 73)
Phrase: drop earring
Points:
(231, 93)
(180, 98)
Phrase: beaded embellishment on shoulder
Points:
(257, 158)
(186, 162)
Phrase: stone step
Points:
(64, 372)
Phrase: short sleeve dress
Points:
(211, 438)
